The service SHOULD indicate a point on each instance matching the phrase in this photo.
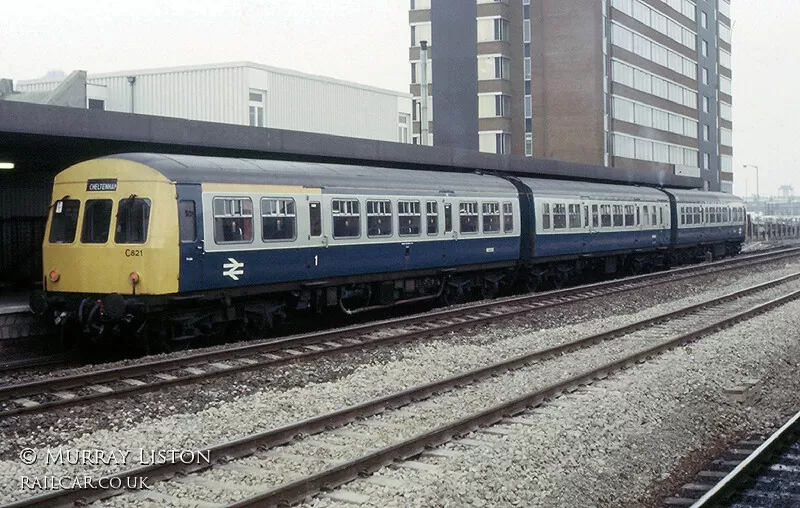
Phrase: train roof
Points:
(589, 190)
(192, 169)
(698, 196)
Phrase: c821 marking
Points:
(133, 253)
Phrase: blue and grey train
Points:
(190, 245)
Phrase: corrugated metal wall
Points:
(221, 94)
(306, 104)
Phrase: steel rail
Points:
(731, 483)
(300, 489)
(464, 316)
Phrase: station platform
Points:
(14, 302)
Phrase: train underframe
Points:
(164, 323)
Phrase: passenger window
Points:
(65, 221)
(186, 221)
(508, 218)
(233, 220)
(133, 216)
(545, 216)
(491, 217)
(595, 217)
(646, 215)
(605, 215)
(379, 218)
(432, 217)
(559, 216)
(468, 213)
(629, 216)
(448, 217)
(698, 214)
(618, 215)
(314, 219)
(96, 221)
(638, 215)
(683, 215)
(586, 222)
(661, 216)
(278, 219)
(574, 216)
(346, 218)
(726, 214)
(409, 214)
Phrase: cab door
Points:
(192, 247)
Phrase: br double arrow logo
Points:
(233, 269)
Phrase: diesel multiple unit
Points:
(176, 247)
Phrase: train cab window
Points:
(65, 221)
(595, 217)
(629, 215)
(278, 219)
(448, 218)
(133, 218)
(409, 218)
(559, 216)
(233, 220)
(314, 219)
(618, 217)
(96, 221)
(574, 216)
(508, 218)
(468, 215)
(605, 216)
(491, 217)
(379, 218)
(186, 221)
(545, 216)
(432, 217)
(346, 218)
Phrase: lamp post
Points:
(756, 168)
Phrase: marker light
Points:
(6, 165)
(134, 278)
(54, 275)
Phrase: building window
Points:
(706, 161)
(421, 32)
(705, 104)
(502, 105)
(529, 145)
(705, 76)
(501, 68)
(706, 133)
(528, 106)
(704, 47)
(503, 142)
(527, 68)
(97, 104)
(526, 30)
(402, 128)
(500, 30)
(704, 19)
(256, 108)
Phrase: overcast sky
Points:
(367, 41)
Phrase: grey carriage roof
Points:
(697, 196)
(586, 190)
(331, 177)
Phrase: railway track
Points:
(400, 426)
(766, 474)
(56, 392)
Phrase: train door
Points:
(317, 237)
(588, 228)
(192, 247)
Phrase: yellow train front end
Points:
(111, 246)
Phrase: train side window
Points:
(491, 217)
(508, 217)
(468, 214)
(379, 218)
(65, 221)
(314, 219)
(545, 216)
(661, 216)
(186, 221)
(96, 221)
(645, 215)
(586, 222)
(595, 217)
(683, 215)
(559, 216)
(346, 218)
(233, 220)
(133, 218)
(574, 216)
(409, 215)
(618, 217)
(698, 214)
(448, 217)
(726, 214)
(432, 217)
(605, 216)
(629, 215)
(278, 219)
